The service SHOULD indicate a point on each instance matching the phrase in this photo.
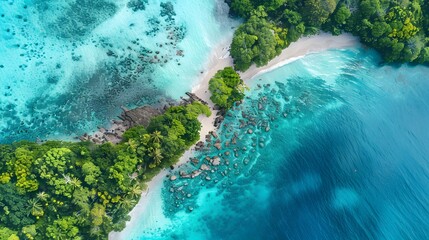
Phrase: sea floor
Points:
(331, 146)
(67, 66)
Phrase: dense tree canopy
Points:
(397, 29)
(226, 87)
(254, 42)
(64, 190)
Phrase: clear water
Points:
(346, 157)
(66, 66)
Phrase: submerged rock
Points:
(204, 167)
(195, 173)
(215, 161)
(195, 160)
(214, 134)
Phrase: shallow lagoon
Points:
(66, 67)
(345, 157)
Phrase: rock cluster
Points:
(229, 155)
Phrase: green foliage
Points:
(397, 29)
(316, 12)
(8, 234)
(255, 41)
(23, 161)
(179, 128)
(197, 108)
(60, 190)
(227, 88)
(394, 29)
(342, 14)
(13, 208)
(134, 132)
(64, 228)
(97, 214)
(91, 173)
(242, 7)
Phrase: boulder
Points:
(215, 161)
(214, 134)
(195, 173)
(195, 160)
(173, 177)
(139, 116)
(218, 146)
(204, 167)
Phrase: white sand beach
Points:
(219, 59)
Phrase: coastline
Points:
(305, 45)
(219, 59)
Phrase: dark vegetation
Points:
(398, 30)
(77, 190)
(226, 88)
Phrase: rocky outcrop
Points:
(139, 116)
(215, 161)
(194, 97)
(218, 145)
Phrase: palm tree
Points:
(127, 203)
(156, 155)
(95, 231)
(132, 145)
(42, 196)
(35, 208)
(136, 191)
(156, 137)
(75, 182)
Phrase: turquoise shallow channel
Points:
(338, 149)
(66, 66)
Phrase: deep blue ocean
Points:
(346, 156)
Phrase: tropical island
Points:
(83, 190)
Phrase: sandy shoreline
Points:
(219, 59)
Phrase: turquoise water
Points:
(66, 66)
(339, 150)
